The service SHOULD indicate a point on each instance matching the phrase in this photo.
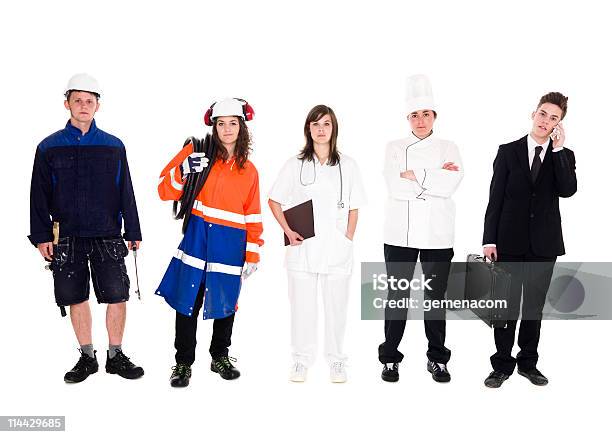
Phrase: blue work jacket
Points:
(82, 181)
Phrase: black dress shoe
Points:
(122, 366)
(534, 375)
(181, 373)
(83, 368)
(224, 367)
(438, 371)
(496, 379)
(390, 372)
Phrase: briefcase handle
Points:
(484, 259)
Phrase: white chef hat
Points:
(419, 95)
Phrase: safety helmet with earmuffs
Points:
(229, 107)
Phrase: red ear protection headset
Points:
(207, 115)
(247, 112)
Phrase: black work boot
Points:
(439, 371)
(181, 373)
(122, 366)
(390, 372)
(496, 379)
(223, 366)
(83, 368)
(534, 376)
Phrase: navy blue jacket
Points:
(83, 182)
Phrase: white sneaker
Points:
(298, 372)
(337, 372)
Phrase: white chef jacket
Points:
(329, 251)
(421, 213)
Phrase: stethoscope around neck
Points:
(314, 168)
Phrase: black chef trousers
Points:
(185, 337)
(400, 263)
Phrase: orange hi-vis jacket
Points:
(223, 232)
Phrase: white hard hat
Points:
(419, 95)
(83, 82)
(228, 107)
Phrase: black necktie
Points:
(536, 163)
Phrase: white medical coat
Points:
(329, 251)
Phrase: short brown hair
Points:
(555, 98)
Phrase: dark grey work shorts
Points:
(72, 259)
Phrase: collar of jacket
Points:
(75, 132)
(229, 162)
(522, 152)
(532, 143)
(418, 143)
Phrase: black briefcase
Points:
(486, 282)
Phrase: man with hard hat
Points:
(422, 173)
(81, 193)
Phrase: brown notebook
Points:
(301, 219)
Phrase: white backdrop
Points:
(162, 64)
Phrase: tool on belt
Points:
(49, 266)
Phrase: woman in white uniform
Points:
(333, 182)
(422, 172)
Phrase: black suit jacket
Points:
(521, 214)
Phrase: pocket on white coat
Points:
(341, 251)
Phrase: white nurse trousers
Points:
(303, 291)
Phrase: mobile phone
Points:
(555, 135)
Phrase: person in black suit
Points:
(522, 230)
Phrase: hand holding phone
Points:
(558, 136)
(555, 133)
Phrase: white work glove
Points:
(248, 269)
(194, 163)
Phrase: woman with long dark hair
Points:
(331, 180)
(222, 238)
